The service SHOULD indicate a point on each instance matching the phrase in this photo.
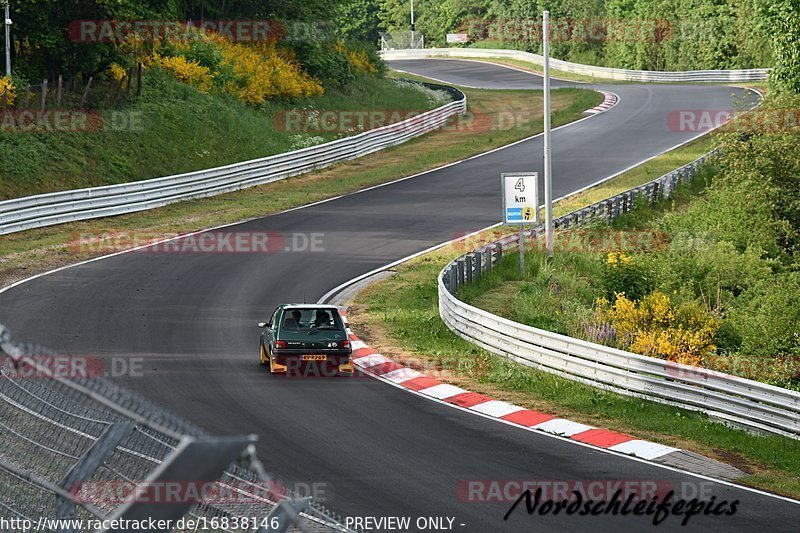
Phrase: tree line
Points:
(634, 34)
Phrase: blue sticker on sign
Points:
(514, 214)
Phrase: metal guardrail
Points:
(41, 210)
(75, 446)
(713, 76)
(737, 400)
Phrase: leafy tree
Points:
(358, 20)
(784, 19)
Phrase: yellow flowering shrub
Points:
(359, 60)
(655, 327)
(618, 258)
(7, 87)
(263, 73)
(254, 73)
(189, 72)
(116, 72)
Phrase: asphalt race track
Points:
(376, 450)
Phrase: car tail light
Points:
(345, 344)
(279, 345)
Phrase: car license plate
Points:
(314, 358)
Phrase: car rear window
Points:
(308, 318)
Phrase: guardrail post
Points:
(489, 259)
(478, 264)
(468, 265)
(460, 264)
(446, 281)
(453, 278)
(499, 246)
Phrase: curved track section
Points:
(377, 450)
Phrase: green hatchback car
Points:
(302, 334)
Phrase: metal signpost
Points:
(412, 24)
(548, 164)
(520, 204)
(7, 24)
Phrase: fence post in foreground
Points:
(284, 515)
(87, 465)
(195, 460)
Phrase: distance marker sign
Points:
(520, 197)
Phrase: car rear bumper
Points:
(330, 355)
(291, 362)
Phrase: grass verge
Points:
(35, 251)
(399, 317)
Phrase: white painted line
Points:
(643, 449)
(402, 374)
(496, 408)
(442, 391)
(561, 426)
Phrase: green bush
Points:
(324, 60)
(624, 274)
(697, 266)
(767, 317)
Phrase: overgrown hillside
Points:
(711, 278)
(174, 128)
(95, 101)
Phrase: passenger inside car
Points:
(322, 319)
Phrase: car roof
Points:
(311, 306)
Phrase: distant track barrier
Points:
(619, 74)
(42, 210)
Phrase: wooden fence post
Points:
(43, 106)
(60, 91)
(117, 87)
(86, 93)
(128, 84)
(139, 82)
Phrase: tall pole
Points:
(412, 24)
(7, 24)
(548, 167)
